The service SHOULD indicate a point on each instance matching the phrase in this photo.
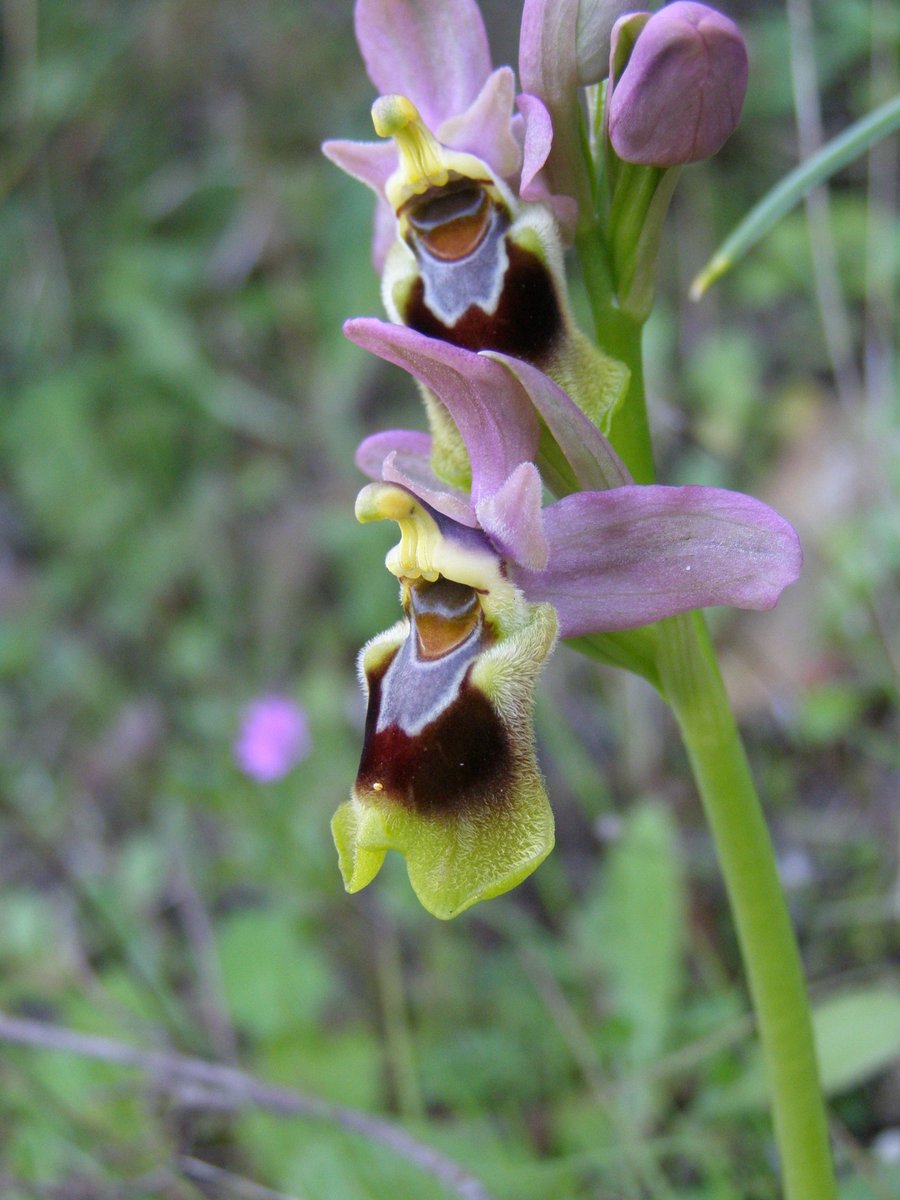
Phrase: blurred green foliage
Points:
(179, 416)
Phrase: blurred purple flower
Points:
(679, 97)
(273, 738)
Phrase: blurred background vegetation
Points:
(179, 414)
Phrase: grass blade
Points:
(795, 185)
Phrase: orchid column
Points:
(479, 191)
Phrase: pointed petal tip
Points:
(370, 162)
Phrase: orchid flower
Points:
(489, 577)
(478, 190)
(436, 56)
(468, 233)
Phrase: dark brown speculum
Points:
(433, 742)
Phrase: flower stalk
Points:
(692, 684)
(689, 679)
(621, 334)
(477, 196)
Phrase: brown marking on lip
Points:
(526, 323)
(462, 754)
(449, 767)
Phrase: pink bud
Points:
(679, 97)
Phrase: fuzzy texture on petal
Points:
(457, 791)
(629, 556)
(680, 96)
(433, 51)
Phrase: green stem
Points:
(689, 679)
(619, 335)
(398, 1035)
(693, 686)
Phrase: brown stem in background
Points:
(810, 136)
(223, 1086)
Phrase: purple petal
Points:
(485, 128)
(629, 556)
(384, 233)
(592, 458)
(404, 456)
(370, 162)
(435, 52)
(512, 518)
(681, 94)
(537, 138)
(490, 409)
(417, 477)
(372, 451)
(548, 69)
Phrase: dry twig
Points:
(216, 1085)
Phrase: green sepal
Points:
(632, 650)
(637, 216)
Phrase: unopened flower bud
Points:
(679, 97)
